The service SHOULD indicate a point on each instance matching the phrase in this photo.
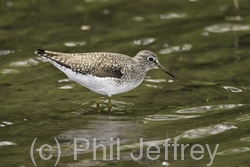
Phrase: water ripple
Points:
(118, 107)
(7, 123)
(243, 118)
(65, 80)
(9, 4)
(236, 150)
(85, 27)
(206, 131)
(4, 123)
(234, 18)
(202, 109)
(172, 15)
(152, 86)
(220, 28)
(156, 80)
(105, 129)
(25, 63)
(5, 52)
(232, 89)
(147, 143)
(7, 143)
(72, 44)
(138, 18)
(171, 49)
(168, 117)
(144, 41)
(105, 11)
(9, 71)
(165, 163)
(246, 139)
(41, 59)
(66, 87)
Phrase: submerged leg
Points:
(109, 104)
(98, 101)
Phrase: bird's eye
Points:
(151, 59)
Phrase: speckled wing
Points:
(100, 64)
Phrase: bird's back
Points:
(99, 64)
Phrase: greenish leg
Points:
(109, 105)
(98, 101)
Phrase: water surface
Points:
(205, 44)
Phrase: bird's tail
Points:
(45, 54)
(53, 56)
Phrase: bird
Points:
(105, 73)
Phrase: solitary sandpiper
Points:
(103, 72)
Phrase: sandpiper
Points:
(103, 72)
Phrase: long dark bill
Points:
(169, 73)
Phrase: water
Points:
(205, 44)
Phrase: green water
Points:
(204, 43)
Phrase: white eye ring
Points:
(151, 59)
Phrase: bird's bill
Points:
(169, 73)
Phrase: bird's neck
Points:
(137, 72)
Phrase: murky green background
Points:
(204, 43)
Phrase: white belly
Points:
(105, 86)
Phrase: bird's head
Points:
(149, 60)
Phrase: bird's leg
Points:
(98, 101)
(109, 104)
